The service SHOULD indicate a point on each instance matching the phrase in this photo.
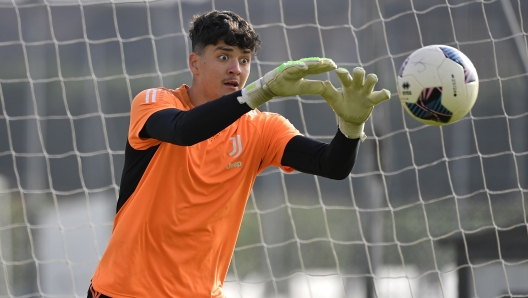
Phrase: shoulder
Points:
(153, 95)
(160, 97)
(256, 115)
(269, 124)
(265, 118)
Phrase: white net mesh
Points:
(426, 212)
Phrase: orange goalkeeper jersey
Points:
(176, 233)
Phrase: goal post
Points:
(426, 212)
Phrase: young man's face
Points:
(221, 69)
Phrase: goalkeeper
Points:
(193, 154)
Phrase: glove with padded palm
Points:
(354, 102)
(287, 80)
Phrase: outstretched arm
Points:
(334, 160)
(353, 104)
(187, 128)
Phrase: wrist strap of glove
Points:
(255, 94)
(352, 130)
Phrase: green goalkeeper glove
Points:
(287, 80)
(355, 101)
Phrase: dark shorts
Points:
(94, 294)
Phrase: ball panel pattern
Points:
(455, 55)
(402, 68)
(429, 106)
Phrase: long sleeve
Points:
(334, 160)
(187, 128)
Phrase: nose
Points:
(234, 68)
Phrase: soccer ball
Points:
(437, 85)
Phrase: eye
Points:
(223, 57)
(244, 60)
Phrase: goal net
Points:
(426, 212)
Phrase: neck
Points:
(196, 97)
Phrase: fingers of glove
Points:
(358, 75)
(287, 71)
(370, 81)
(318, 65)
(310, 87)
(317, 61)
(296, 70)
(378, 97)
(312, 65)
(290, 67)
(344, 77)
(331, 94)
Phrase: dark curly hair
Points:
(215, 26)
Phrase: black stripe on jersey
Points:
(136, 162)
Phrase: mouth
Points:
(231, 84)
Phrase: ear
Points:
(194, 61)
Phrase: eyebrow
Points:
(230, 49)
